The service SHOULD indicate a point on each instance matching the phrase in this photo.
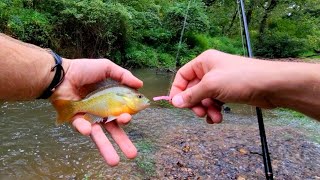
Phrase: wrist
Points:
(58, 71)
(25, 69)
(65, 89)
(66, 64)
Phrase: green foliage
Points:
(228, 45)
(140, 55)
(202, 42)
(220, 14)
(289, 29)
(198, 40)
(97, 29)
(27, 24)
(3, 16)
(30, 26)
(314, 41)
(197, 20)
(146, 33)
(279, 45)
(166, 60)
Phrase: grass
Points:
(145, 162)
(310, 57)
(308, 126)
(164, 104)
(147, 166)
(145, 146)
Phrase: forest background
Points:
(146, 33)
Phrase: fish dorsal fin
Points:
(97, 91)
(107, 83)
(105, 89)
(87, 89)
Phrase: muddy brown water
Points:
(172, 144)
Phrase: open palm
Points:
(80, 75)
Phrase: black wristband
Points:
(57, 79)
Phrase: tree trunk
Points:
(235, 15)
(263, 22)
(250, 10)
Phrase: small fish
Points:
(104, 103)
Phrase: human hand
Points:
(80, 75)
(215, 77)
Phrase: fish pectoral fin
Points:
(93, 118)
(111, 118)
(98, 119)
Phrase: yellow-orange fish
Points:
(108, 102)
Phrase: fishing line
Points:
(241, 30)
(264, 145)
(177, 61)
(182, 33)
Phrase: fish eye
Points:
(140, 96)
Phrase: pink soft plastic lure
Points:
(158, 98)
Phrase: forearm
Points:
(296, 86)
(25, 69)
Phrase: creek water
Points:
(32, 147)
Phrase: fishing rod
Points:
(264, 145)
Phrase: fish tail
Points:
(65, 110)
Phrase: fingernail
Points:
(177, 101)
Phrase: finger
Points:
(122, 140)
(82, 126)
(124, 119)
(191, 96)
(105, 147)
(199, 110)
(212, 102)
(193, 69)
(202, 109)
(182, 78)
(214, 114)
(123, 76)
(207, 102)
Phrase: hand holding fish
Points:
(80, 74)
(28, 71)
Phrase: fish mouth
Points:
(147, 104)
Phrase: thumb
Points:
(191, 96)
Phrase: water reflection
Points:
(155, 82)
